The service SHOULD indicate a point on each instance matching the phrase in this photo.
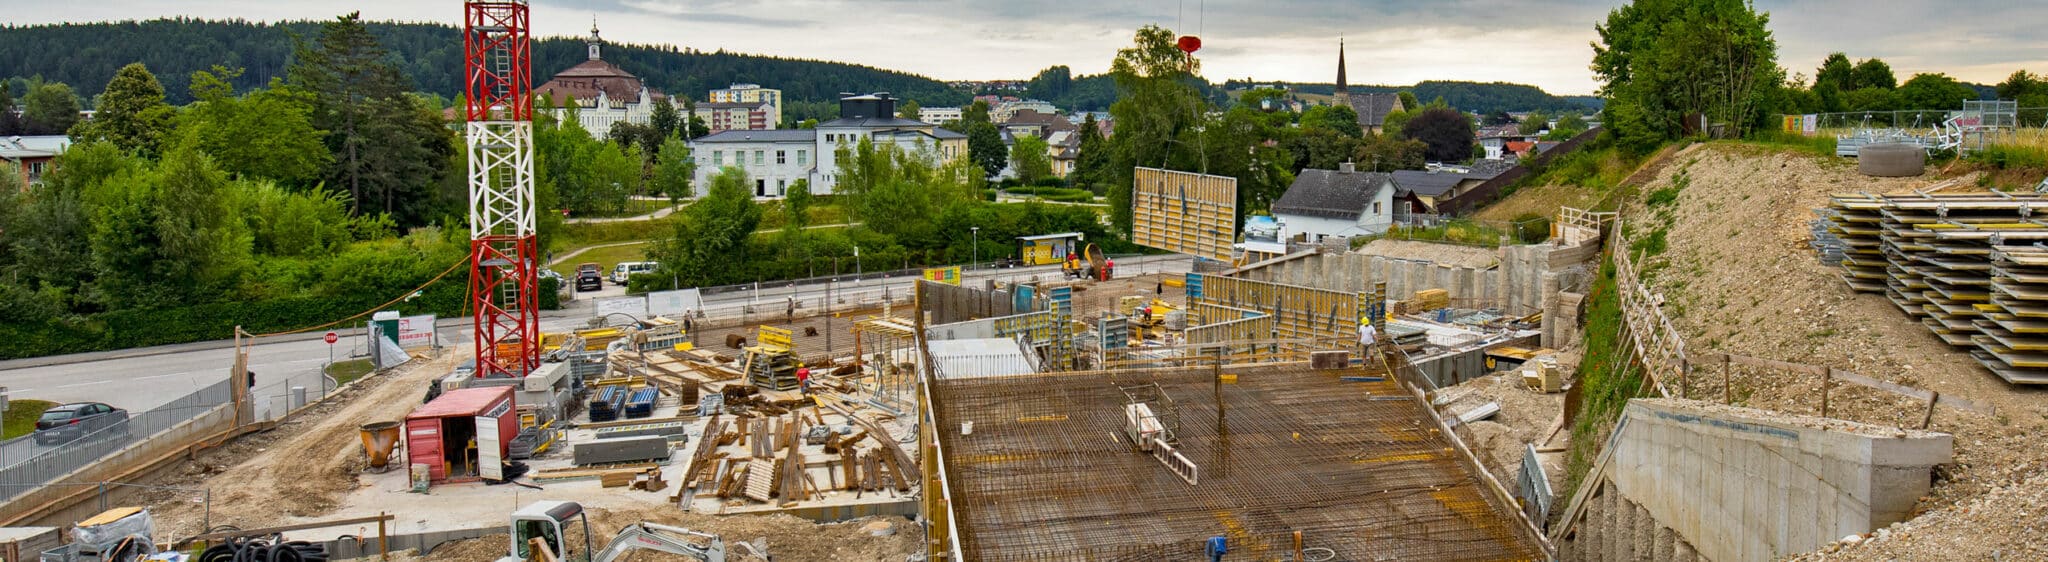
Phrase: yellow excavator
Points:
(1094, 266)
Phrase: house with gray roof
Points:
(777, 159)
(1343, 202)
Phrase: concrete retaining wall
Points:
(949, 304)
(1619, 530)
(1743, 484)
(32, 505)
(1526, 280)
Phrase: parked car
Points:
(589, 278)
(624, 272)
(68, 422)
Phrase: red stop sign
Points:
(331, 338)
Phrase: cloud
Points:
(1390, 42)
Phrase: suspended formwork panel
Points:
(1184, 212)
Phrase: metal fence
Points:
(30, 465)
(2024, 117)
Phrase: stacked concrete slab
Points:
(1938, 267)
(1745, 484)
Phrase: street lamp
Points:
(856, 264)
(975, 233)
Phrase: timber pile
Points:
(786, 453)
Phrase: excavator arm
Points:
(663, 538)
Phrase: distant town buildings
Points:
(775, 159)
(769, 99)
(720, 117)
(602, 92)
(940, 114)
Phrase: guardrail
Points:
(48, 462)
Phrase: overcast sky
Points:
(1390, 42)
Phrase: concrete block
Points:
(1741, 484)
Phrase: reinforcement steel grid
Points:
(1356, 467)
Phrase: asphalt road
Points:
(139, 382)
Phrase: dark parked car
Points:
(589, 278)
(69, 422)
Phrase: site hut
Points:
(1048, 249)
(462, 435)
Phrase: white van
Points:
(624, 271)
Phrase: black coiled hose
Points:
(270, 549)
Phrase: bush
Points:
(1051, 182)
(2006, 156)
(1532, 228)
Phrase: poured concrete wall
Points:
(1525, 281)
(1744, 484)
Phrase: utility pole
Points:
(975, 233)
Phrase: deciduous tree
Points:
(1447, 133)
(1030, 159)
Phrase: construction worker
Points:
(803, 379)
(1368, 336)
(1108, 268)
(1073, 266)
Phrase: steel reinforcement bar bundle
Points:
(1971, 267)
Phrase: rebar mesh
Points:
(1356, 467)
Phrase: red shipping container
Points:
(439, 434)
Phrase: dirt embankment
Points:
(1739, 277)
(303, 467)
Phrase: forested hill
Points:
(85, 55)
(1482, 97)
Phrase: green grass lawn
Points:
(605, 258)
(345, 371)
(634, 208)
(21, 415)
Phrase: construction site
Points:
(1837, 365)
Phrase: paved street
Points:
(141, 382)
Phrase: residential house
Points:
(33, 155)
(1372, 109)
(775, 159)
(1002, 113)
(1422, 189)
(1342, 203)
(602, 92)
(1065, 149)
(753, 94)
(1033, 123)
(1494, 139)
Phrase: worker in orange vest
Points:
(1108, 268)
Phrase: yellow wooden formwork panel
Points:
(1184, 212)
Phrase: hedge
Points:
(142, 328)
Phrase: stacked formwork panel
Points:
(1941, 266)
(2015, 341)
(1855, 221)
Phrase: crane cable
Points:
(423, 286)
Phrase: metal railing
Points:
(44, 463)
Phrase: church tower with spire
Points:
(1343, 96)
(594, 42)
